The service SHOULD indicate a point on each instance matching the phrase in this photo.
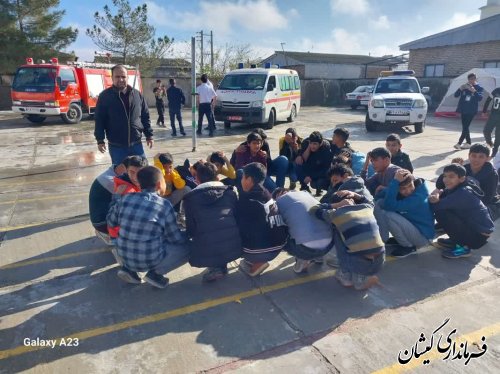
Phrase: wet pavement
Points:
(58, 281)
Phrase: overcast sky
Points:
(375, 27)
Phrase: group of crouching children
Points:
(161, 217)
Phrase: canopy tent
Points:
(488, 78)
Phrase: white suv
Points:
(397, 99)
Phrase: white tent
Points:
(489, 79)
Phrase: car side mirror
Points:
(425, 90)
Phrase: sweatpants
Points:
(458, 230)
(403, 230)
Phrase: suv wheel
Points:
(272, 120)
(369, 124)
(419, 127)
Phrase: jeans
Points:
(318, 183)
(458, 230)
(466, 120)
(268, 182)
(355, 262)
(160, 108)
(118, 154)
(173, 114)
(279, 168)
(177, 255)
(205, 109)
(305, 253)
(403, 230)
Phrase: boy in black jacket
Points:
(459, 210)
(262, 229)
(398, 157)
(313, 162)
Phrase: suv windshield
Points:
(243, 82)
(34, 80)
(397, 86)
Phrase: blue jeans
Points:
(205, 109)
(279, 168)
(175, 113)
(177, 255)
(354, 262)
(268, 182)
(118, 154)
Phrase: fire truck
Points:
(50, 89)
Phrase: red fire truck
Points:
(50, 89)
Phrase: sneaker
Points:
(174, 134)
(457, 146)
(318, 260)
(198, 132)
(129, 276)
(301, 265)
(391, 241)
(456, 252)
(445, 243)
(332, 260)
(155, 279)
(253, 269)
(401, 251)
(318, 192)
(344, 277)
(364, 282)
(213, 274)
(183, 133)
(465, 146)
(439, 230)
(104, 237)
(293, 185)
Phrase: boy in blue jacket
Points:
(404, 212)
(460, 211)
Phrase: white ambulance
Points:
(258, 96)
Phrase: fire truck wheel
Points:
(73, 115)
(36, 118)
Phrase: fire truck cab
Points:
(50, 89)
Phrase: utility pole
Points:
(211, 52)
(202, 55)
(193, 91)
(201, 36)
(284, 54)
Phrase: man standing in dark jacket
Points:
(470, 95)
(122, 116)
(313, 163)
(211, 224)
(176, 99)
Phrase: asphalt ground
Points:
(58, 282)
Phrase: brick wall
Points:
(457, 59)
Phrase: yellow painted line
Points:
(45, 198)
(91, 333)
(59, 180)
(474, 336)
(53, 258)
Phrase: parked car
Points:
(359, 97)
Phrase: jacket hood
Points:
(208, 193)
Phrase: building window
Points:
(492, 64)
(434, 70)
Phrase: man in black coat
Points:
(211, 223)
(121, 116)
(176, 100)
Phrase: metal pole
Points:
(284, 54)
(193, 91)
(211, 52)
(201, 51)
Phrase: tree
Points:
(128, 35)
(30, 28)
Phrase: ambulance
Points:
(51, 89)
(258, 96)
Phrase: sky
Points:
(374, 27)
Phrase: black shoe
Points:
(438, 229)
(155, 279)
(213, 274)
(183, 133)
(392, 241)
(211, 134)
(129, 276)
(174, 134)
(305, 188)
(198, 132)
(318, 192)
(401, 251)
(446, 243)
(207, 128)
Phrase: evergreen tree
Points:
(30, 28)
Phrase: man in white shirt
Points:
(206, 97)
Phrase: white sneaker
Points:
(457, 146)
(465, 146)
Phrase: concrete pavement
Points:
(58, 281)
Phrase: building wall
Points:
(457, 59)
(333, 71)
